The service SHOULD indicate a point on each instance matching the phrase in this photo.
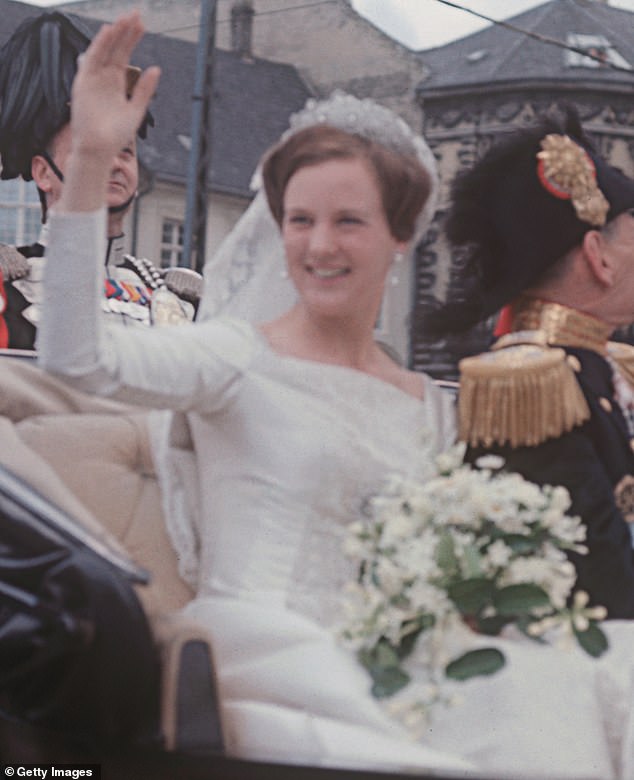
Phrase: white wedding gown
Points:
(286, 453)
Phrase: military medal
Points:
(166, 308)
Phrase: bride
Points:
(295, 422)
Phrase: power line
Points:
(256, 14)
(541, 38)
(498, 22)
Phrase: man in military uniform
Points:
(548, 228)
(37, 67)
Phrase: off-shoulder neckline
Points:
(317, 364)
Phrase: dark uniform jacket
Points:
(129, 285)
(595, 462)
(21, 330)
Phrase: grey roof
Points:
(252, 103)
(495, 56)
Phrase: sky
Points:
(421, 24)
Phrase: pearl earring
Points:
(398, 257)
(284, 273)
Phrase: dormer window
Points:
(602, 51)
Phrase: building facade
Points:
(329, 43)
(481, 86)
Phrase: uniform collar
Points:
(115, 250)
(561, 325)
(43, 237)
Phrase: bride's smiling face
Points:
(338, 243)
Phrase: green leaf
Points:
(593, 640)
(520, 599)
(388, 681)
(519, 544)
(446, 553)
(491, 626)
(472, 561)
(414, 628)
(472, 595)
(475, 663)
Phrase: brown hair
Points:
(403, 182)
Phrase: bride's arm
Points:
(173, 367)
(103, 118)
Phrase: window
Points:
(598, 46)
(172, 243)
(20, 212)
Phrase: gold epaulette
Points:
(13, 265)
(623, 356)
(519, 395)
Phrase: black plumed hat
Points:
(37, 67)
(523, 206)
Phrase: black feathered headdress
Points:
(524, 205)
(37, 67)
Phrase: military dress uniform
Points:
(555, 399)
(135, 291)
(553, 396)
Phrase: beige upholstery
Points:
(91, 457)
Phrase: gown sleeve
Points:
(186, 367)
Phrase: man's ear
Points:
(597, 258)
(41, 173)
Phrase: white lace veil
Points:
(246, 278)
(246, 275)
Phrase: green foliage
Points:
(593, 640)
(475, 663)
(471, 596)
(521, 599)
(383, 665)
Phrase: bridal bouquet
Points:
(443, 563)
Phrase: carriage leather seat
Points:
(91, 457)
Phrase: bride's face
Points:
(338, 243)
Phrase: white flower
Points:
(490, 462)
(421, 538)
(427, 598)
(452, 459)
(560, 498)
(499, 553)
(389, 576)
(397, 527)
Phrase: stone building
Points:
(485, 84)
(328, 42)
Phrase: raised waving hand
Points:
(103, 119)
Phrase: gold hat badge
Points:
(567, 171)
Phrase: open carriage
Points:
(70, 467)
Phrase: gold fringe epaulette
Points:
(623, 356)
(520, 395)
(13, 265)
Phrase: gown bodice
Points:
(289, 462)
